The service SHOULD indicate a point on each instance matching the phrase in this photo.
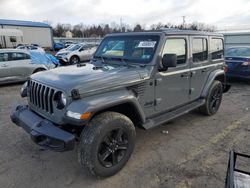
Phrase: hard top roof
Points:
(170, 32)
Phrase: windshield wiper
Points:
(125, 61)
(97, 63)
(100, 57)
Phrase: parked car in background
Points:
(37, 45)
(44, 58)
(238, 62)
(17, 65)
(58, 46)
(22, 44)
(65, 49)
(31, 47)
(68, 43)
(76, 53)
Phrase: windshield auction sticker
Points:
(147, 44)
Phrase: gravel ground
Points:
(191, 151)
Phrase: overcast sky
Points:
(214, 12)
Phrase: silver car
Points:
(16, 65)
(77, 53)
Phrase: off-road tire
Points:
(213, 99)
(92, 139)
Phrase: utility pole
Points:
(183, 21)
(121, 23)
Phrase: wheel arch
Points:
(126, 108)
(122, 101)
(39, 69)
(215, 75)
(74, 55)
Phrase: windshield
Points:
(74, 47)
(138, 49)
(238, 52)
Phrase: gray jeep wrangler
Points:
(134, 79)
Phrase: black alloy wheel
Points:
(113, 148)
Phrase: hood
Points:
(87, 79)
(63, 52)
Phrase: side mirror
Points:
(82, 49)
(169, 60)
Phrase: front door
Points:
(172, 85)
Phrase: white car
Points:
(66, 48)
(31, 47)
(17, 65)
(77, 53)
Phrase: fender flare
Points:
(212, 76)
(100, 102)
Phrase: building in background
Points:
(236, 35)
(68, 34)
(32, 33)
(10, 37)
(237, 39)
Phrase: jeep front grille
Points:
(41, 96)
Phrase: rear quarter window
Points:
(216, 48)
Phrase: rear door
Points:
(87, 52)
(20, 65)
(203, 61)
(199, 63)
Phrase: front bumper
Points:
(62, 59)
(42, 131)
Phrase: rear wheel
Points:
(107, 143)
(213, 99)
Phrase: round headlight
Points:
(63, 99)
(23, 90)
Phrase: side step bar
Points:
(150, 123)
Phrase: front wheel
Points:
(74, 60)
(213, 99)
(107, 143)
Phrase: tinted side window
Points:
(178, 47)
(217, 48)
(4, 57)
(18, 56)
(200, 52)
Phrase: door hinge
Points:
(191, 90)
(158, 101)
(158, 81)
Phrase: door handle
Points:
(4, 65)
(186, 74)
